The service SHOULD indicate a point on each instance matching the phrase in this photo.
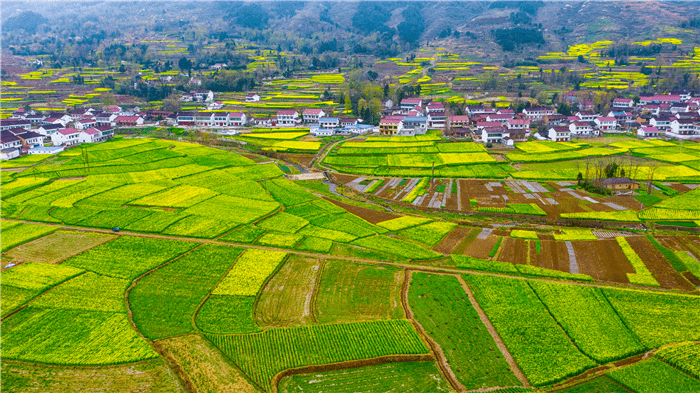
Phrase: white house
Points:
(85, 123)
(252, 97)
(663, 123)
(9, 140)
(581, 128)
(236, 119)
(409, 103)
(66, 136)
(312, 115)
(586, 115)
(623, 103)
(288, 117)
(203, 95)
(538, 112)
(518, 124)
(649, 132)
(683, 127)
(559, 134)
(329, 122)
(48, 129)
(606, 123)
(90, 135)
(492, 135)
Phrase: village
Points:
(675, 115)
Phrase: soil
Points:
(345, 179)
(553, 255)
(303, 159)
(602, 260)
(514, 251)
(369, 215)
(464, 243)
(658, 265)
(625, 201)
(481, 248)
(452, 240)
(690, 277)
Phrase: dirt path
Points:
(494, 334)
(434, 346)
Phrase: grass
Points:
(351, 292)
(528, 330)
(163, 302)
(204, 366)
(654, 376)
(467, 262)
(622, 215)
(442, 307)
(317, 344)
(495, 248)
(657, 319)
(408, 376)
(590, 321)
(601, 384)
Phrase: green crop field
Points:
(684, 356)
(654, 376)
(349, 292)
(528, 330)
(590, 321)
(441, 306)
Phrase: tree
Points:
(348, 102)
(542, 97)
(184, 64)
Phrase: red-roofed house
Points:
(581, 128)
(236, 119)
(85, 123)
(91, 135)
(624, 103)
(312, 115)
(518, 124)
(459, 121)
(410, 103)
(66, 136)
(606, 123)
(649, 132)
(660, 99)
(288, 117)
(128, 121)
(390, 126)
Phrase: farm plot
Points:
(549, 254)
(429, 234)
(397, 247)
(180, 196)
(164, 302)
(88, 291)
(262, 356)
(17, 233)
(642, 275)
(283, 222)
(590, 321)
(22, 283)
(287, 299)
(602, 260)
(56, 247)
(128, 257)
(229, 309)
(601, 384)
(204, 366)
(513, 251)
(288, 193)
(406, 376)
(543, 351)
(658, 266)
(153, 376)
(657, 319)
(72, 337)
(452, 240)
(685, 357)
(654, 376)
(234, 209)
(403, 222)
(443, 309)
(351, 292)
(481, 248)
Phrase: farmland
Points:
(225, 275)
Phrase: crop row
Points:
(263, 355)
